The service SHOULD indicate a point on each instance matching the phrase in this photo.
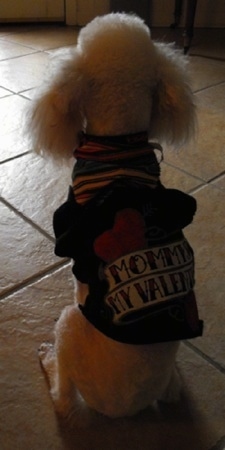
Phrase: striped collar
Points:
(115, 148)
(102, 160)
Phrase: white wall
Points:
(209, 13)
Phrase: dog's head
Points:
(115, 81)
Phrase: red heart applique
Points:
(126, 236)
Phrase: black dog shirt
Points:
(123, 230)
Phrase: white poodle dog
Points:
(134, 270)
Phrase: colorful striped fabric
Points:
(102, 160)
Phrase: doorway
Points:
(141, 8)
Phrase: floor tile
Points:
(30, 94)
(4, 92)
(174, 178)
(36, 187)
(207, 237)
(213, 98)
(220, 182)
(24, 251)
(46, 38)
(206, 43)
(12, 50)
(204, 158)
(27, 319)
(12, 114)
(12, 109)
(206, 72)
(204, 389)
(206, 55)
(25, 72)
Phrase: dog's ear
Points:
(173, 118)
(56, 117)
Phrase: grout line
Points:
(217, 177)
(8, 92)
(203, 183)
(34, 278)
(210, 182)
(203, 355)
(23, 93)
(15, 157)
(209, 87)
(31, 52)
(184, 171)
(26, 219)
(197, 188)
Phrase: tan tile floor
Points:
(35, 285)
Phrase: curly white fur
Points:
(115, 81)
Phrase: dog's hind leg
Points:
(172, 392)
(61, 388)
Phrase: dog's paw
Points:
(46, 355)
(45, 349)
